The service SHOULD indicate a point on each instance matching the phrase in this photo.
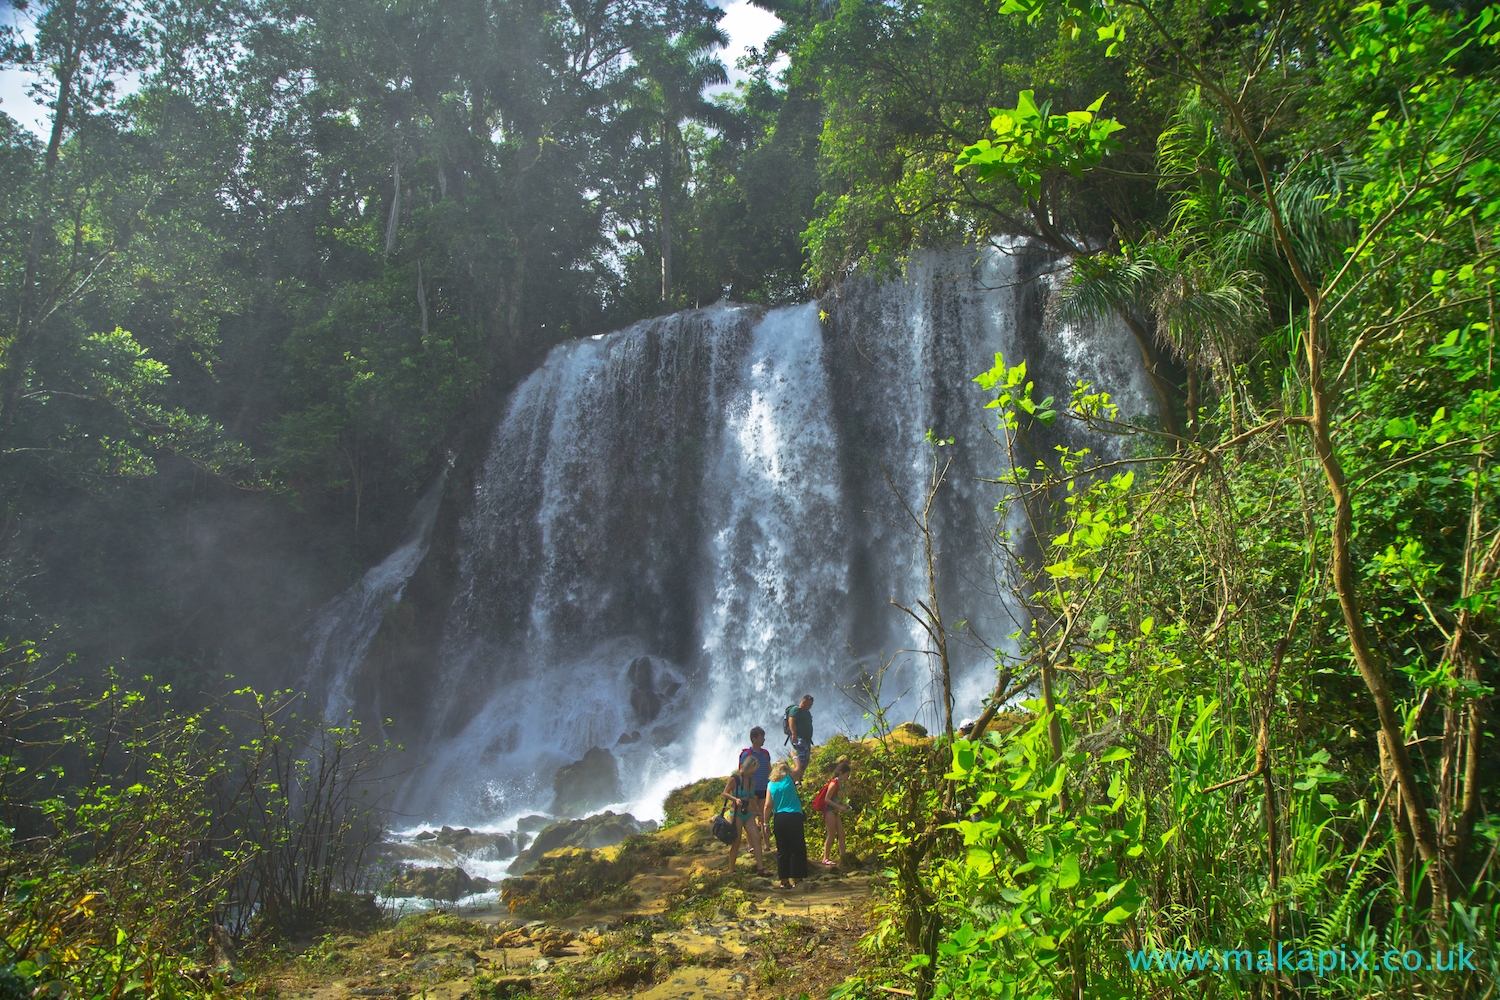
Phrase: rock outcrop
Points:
(480, 846)
(586, 784)
(447, 848)
(603, 830)
(436, 883)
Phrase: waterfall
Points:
(683, 526)
(344, 628)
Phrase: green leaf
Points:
(1068, 874)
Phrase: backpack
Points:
(723, 829)
(820, 801)
(786, 720)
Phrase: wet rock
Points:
(602, 830)
(586, 784)
(643, 697)
(480, 846)
(627, 738)
(426, 835)
(436, 883)
(421, 852)
(533, 824)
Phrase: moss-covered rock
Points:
(436, 883)
(603, 830)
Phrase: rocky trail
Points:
(682, 928)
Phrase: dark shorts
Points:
(803, 749)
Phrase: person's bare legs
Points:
(753, 832)
(734, 845)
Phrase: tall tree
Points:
(78, 50)
(670, 76)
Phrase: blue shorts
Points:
(803, 749)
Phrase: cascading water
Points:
(683, 526)
(341, 633)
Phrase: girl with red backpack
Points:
(828, 803)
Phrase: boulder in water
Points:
(533, 824)
(643, 697)
(603, 830)
(480, 846)
(586, 784)
(447, 848)
(422, 852)
(436, 883)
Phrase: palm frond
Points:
(1102, 284)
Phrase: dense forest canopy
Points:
(277, 273)
(256, 300)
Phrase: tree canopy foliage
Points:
(272, 259)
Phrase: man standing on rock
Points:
(799, 721)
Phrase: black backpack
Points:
(786, 721)
(723, 829)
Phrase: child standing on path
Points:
(829, 803)
(739, 790)
(785, 806)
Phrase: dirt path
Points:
(693, 931)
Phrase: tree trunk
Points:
(1403, 838)
(1166, 392)
(17, 355)
(666, 212)
(393, 220)
(1370, 667)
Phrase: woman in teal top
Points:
(784, 815)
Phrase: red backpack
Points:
(820, 801)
